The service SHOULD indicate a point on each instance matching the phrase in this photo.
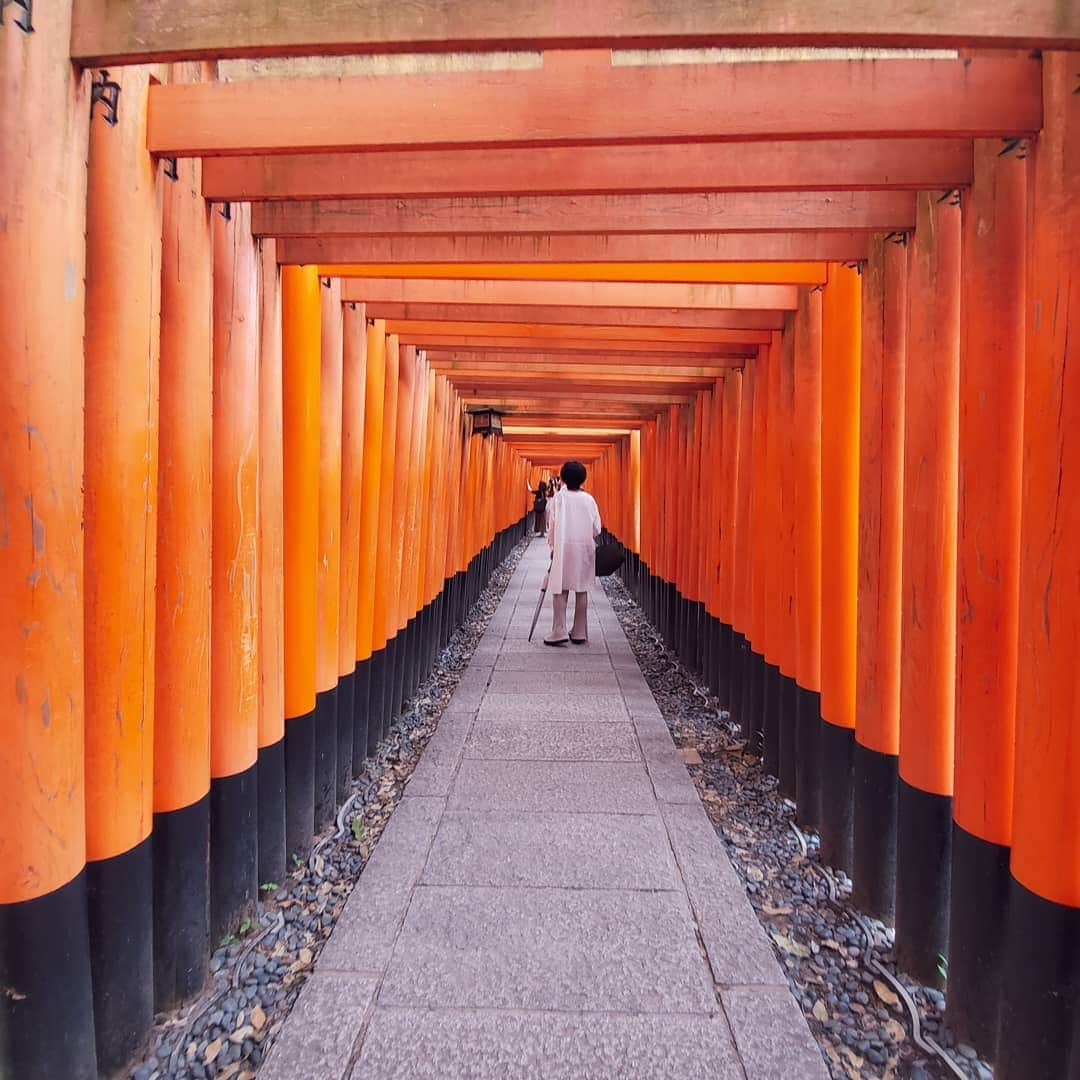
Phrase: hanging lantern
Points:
(486, 422)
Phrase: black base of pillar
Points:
(837, 802)
(181, 852)
(376, 700)
(234, 842)
(345, 724)
(326, 737)
(1040, 990)
(770, 719)
(119, 895)
(47, 1013)
(299, 786)
(874, 875)
(978, 924)
(361, 680)
(808, 724)
(736, 646)
(271, 797)
(923, 862)
(787, 710)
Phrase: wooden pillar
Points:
(1040, 995)
(786, 525)
(742, 654)
(123, 282)
(234, 654)
(383, 673)
(729, 573)
(300, 360)
(928, 626)
(181, 835)
(370, 487)
(881, 515)
(328, 572)
(840, 333)
(353, 399)
(771, 563)
(806, 431)
(271, 765)
(992, 304)
(45, 958)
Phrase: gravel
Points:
(257, 972)
(860, 1022)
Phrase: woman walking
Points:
(540, 500)
(573, 526)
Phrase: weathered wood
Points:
(648, 319)
(575, 293)
(592, 170)
(739, 211)
(572, 345)
(137, 31)
(838, 246)
(556, 333)
(580, 97)
(692, 273)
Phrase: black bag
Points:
(609, 558)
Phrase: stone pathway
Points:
(549, 900)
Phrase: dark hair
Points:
(573, 475)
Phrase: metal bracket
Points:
(901, 238)
(171, 170)
(326, 283)
(1019, 147)
(226, 211)
(952, 197)
(858, 266)
(25, 22)
(106, 91)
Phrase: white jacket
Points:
(572, 527)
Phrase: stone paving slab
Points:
(555, 706)
(324, 1026)
(575, 950)
(430, 1044)
(540, 740)
(575, 682)
(573, 658)
(550, 787)
(570, 851)
(549, 898)
(771, 1035)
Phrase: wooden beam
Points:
(639, 318)
(731, 211)
(524, 381)
(143, 31)
(690, 273)
(606, 360)
(594, 397)
(556, 366)
(556, 333)
(837, 164)
(581, 98)
(575, 345)
(830, 246)
(574, 294)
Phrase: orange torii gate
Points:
(868, 555)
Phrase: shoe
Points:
(561, 641)
(579, 641)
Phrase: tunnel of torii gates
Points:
(811, 322)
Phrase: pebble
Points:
(309, 903)
(860, 1037)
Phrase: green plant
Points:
(245, 926)
(269, 886)
(943, 965)
(359, 830)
